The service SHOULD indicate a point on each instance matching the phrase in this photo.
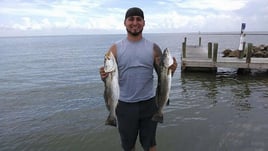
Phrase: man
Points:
(136, 58)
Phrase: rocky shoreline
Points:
(260, 51)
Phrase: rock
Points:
(266, 47)
(258, 54)
(260, 51)
(226, 52)
(262, 47)
(234, 53)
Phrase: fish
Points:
(111, 91)
(163, 85)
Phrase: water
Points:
(51, 98)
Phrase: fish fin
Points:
(111, 121)
(158, 117)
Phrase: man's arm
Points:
(157, 57)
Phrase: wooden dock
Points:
(199, 58)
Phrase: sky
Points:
(75, 17)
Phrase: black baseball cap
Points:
(134, 11)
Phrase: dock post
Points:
(248, 59)
(185, 39)
(242, 53)
(209, 50)
(184, 49)
(199, 41)
(215, 52)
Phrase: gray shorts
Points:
(135, 119)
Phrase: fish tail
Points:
(111, 120)
(167, 102)
(158, 117)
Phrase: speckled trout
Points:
(164, 84)
(111, 92)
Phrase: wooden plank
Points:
(232, 63)
(259, 60)
(259, 63)
(197, 64)
(256, 63)
(258, 66)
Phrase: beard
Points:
(136, 33)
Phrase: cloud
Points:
(97, 16)
(205, 7)
(224, 5)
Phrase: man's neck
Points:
(134, 38)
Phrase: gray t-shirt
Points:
(135, 64)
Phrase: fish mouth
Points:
(167, 58)
(166, 52)
(109, 65)
(108, 55)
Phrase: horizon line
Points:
(194, 33)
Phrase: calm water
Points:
(51, 98)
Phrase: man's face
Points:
(134, 25)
